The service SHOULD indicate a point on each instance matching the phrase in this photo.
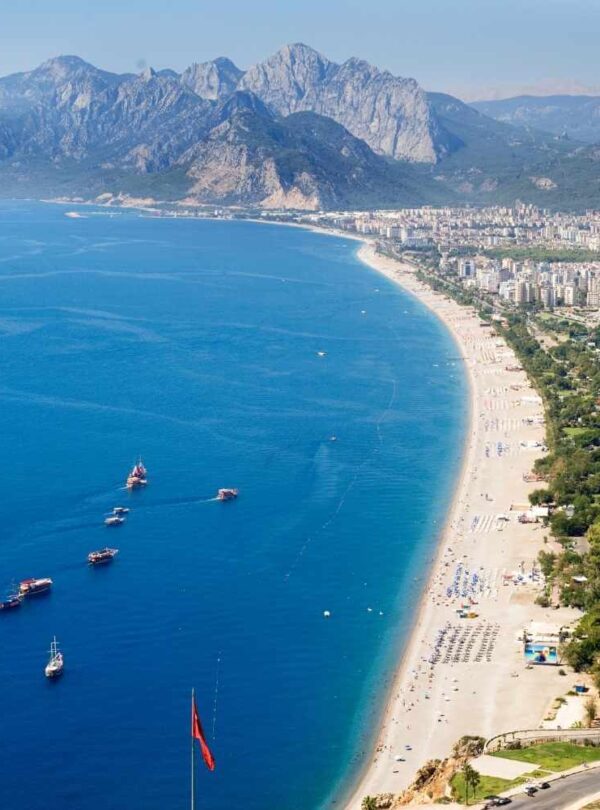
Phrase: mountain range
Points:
(577, 117)
(295, 131)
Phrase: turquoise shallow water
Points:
(196, 344)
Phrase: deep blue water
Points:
(195, 344)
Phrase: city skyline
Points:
(474, 51)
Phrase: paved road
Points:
(562, 793)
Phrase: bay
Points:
(227, 354)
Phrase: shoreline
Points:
(368, 256)
(424, 696)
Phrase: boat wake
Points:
(185, 501)
(357, 472)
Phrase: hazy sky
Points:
(470, 47)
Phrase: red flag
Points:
(198, 734)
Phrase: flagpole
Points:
(193, 797)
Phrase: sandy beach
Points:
(467, 676)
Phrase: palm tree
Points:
(472, 779)
(369, 803)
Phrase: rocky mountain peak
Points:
(300, 53)
(290, 79)
(147, 74)
(61, 66)
(61, 70)
(390, 113)
(212, 80)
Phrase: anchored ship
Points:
(56, 664)
(104, 555)
(31, 587)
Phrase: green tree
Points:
(590, 711)
(472, 779)
(547, 560)
(369, 803)
(540, 496)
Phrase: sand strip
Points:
(467, 675)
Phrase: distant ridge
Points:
(577, 117)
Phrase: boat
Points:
(104, 555)
(31, 587)
(114, 520)
(137, 477)
(12, 601)
(56, 664)
(120, 510)
(227, 494)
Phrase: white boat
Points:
(104, 555)
(30, 587)
(227, 494)
(114, 520)
(138, 476)
(56, 664)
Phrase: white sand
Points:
(433, 705)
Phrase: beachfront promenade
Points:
(540, 735)
(467, 675)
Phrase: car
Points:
(503, 801)
(544, 785)
(531, 791)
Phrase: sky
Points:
(472, 48)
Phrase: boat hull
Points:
(101, 557)
(135, 483)
(34, 587)
(10, 604)
(227, 494)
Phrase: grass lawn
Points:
(553, 756)
(575, 431)
(489, 785)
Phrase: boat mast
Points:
(193, 797)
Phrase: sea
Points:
(224, 354)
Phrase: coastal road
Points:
(563, 793)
